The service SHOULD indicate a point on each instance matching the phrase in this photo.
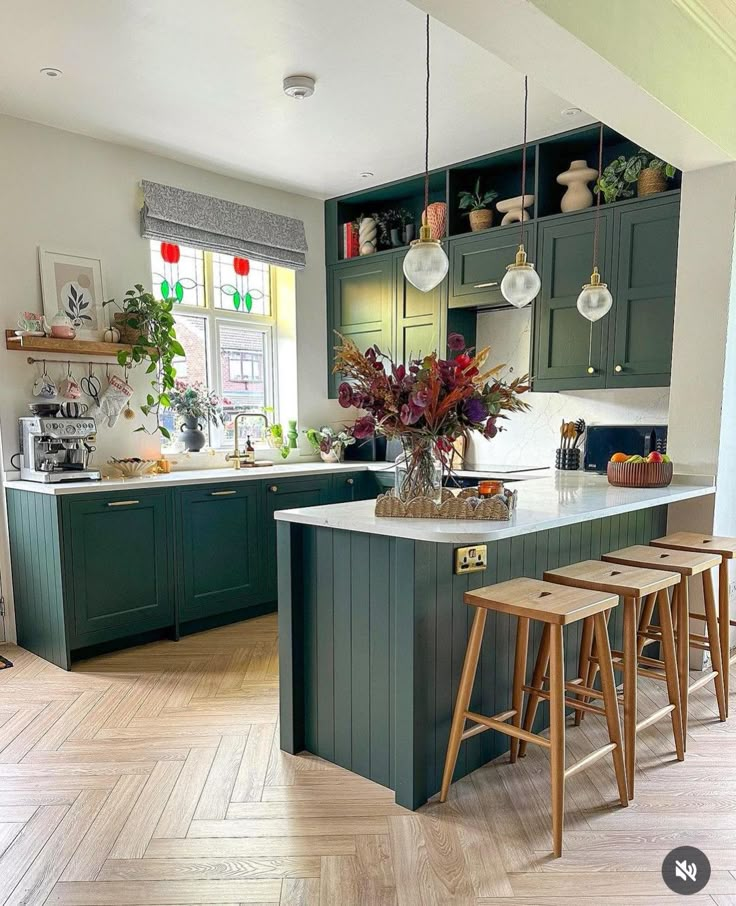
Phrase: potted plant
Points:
(330, 444)
(392, 227)
(147, 325)
(476, 206)
(196, 404)
(648, 172)
(427, 404)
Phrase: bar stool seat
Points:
(688, 564)
(555, 606)
(726, 547)
(634, 584)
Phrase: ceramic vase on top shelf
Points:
(436, 214)
(578, 196)
(513, 208)
(367, 236)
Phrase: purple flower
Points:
(364, 427)
(410, 415)
(345, 395)
(420, 399)
(475, 410)
(399, 372)
(456, 342)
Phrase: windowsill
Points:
(209, 458)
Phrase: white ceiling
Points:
(201, 82)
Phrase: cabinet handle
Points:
(618, 369)
(349, 481)
(222, 493)
(273, 488)
(485, 285)
(123, 502)
(591, 370)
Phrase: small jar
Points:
(490, 488)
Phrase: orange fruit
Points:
(619, 457)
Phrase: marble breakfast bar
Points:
(373, 627)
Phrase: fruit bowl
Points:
(133, 467)
(640, 474)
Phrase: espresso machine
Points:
(56, 449)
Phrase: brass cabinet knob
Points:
(273, 488)
(350, 481)
(618, 369)
(591, 370)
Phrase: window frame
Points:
(214, 318)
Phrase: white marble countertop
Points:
(563, 498)
(207, 476)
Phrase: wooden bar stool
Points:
(687, 564)
(726, 547)
(634, 585)
(555, 607)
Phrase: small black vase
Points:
(192, 435)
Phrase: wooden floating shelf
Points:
(64, 347)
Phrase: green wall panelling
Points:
(385, 630)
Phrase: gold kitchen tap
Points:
(235, 455)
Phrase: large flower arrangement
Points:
(195, 401)
(430, 402)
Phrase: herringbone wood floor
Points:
(153, 776)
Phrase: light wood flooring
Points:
(153, 776)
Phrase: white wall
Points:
(83, 194)
(531, 438)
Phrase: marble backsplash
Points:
(531, 438)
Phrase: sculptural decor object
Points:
(367, 236)
(437, 219)
(513, 208)
(578, 196)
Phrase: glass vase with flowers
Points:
(426, 404)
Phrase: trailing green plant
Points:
(617, 179)
(476, 200)
(155, 344)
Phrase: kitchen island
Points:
(373, 628)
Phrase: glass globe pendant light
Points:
(595, 301)
(426, 263)
(521, 282)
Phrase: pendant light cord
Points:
(426, 135)
(596, 228)
(523, 159)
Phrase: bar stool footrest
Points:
(654, 717)
(494, 723)
(589, 759)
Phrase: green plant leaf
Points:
(165, 431)
(150, 400)
(164, 401)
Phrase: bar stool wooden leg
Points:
(646, 618)
(540, 669)
(670, 665)
(714, 641)
(517, 699)
(682, 609)
(557, 734)
(610, 701)
(630, 689)
(724, 626)
(586, 649)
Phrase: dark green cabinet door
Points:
(644, 310)
(563, 348)
(118, 560)
(478, 264)
(347, 487)
(359, 305)
(289, 494)
(219, 549)
(419, 315)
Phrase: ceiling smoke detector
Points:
(51, 72)
(299, 86)
(571, 111)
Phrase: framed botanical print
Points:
(72, 284)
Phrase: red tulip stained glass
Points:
(178, 273)
(241, 284)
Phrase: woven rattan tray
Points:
(465, 504)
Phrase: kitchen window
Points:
(225, 320)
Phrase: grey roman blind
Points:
(175, 215)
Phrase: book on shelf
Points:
(349, 240)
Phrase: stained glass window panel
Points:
(241, 284)
(178, 273)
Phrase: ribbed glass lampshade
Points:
(595, 301)
(521, 283)
(426, 263)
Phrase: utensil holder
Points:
(568, 460)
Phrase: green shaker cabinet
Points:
(567, 358)
(645, 236)
(219, 549)
(478, 264)
(419, 315)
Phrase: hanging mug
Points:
(73, 410)
(44, 387)
(69, 388)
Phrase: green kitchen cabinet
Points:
(640, 347)
(219, 549)
(349, 486)
(118, 560)
(478, 264)
(359, 305)
(418, 316)
(567, 356)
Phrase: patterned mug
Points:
(73, 410)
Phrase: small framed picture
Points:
(72, 284)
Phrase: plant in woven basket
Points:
(476, 200)
(154, 341)
(619, 176)
(427, 404)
